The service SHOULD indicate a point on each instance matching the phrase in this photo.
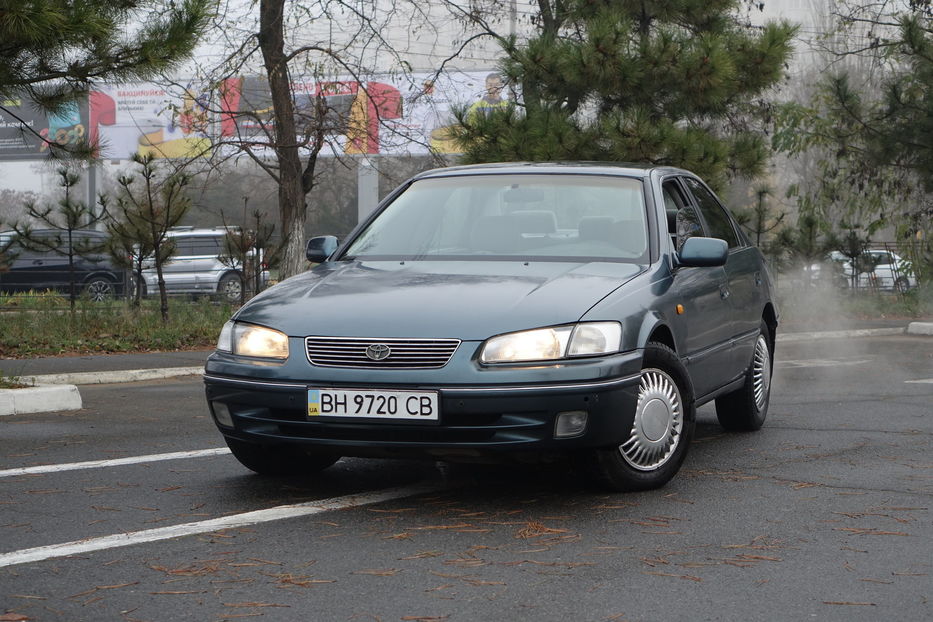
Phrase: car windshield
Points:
(540, 217)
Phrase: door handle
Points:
(724, 292)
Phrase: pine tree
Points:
(659, 81)
(54, 51)
(147, 211)
(64, 218)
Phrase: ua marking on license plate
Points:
(409, 405)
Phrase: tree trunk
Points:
(292, 208)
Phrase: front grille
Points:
(403, 353)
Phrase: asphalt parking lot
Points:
(823, 515)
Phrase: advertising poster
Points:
(24, 130)
(390, 115)
(146, 119)
(428, 115)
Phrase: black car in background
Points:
(25, 269)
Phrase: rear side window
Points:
(717, 219)
(207, 245)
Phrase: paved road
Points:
(824, 515)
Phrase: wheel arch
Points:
(769, 317)
(100, 274)
(229, 272)
(655, 329)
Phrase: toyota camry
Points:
(527, 312)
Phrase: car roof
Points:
(186, 231)
(622, 169)
(62, 232)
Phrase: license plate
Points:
(407, 405)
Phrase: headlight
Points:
(225, 341)
(548, 344)
(252, 340)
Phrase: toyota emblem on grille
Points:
(378, 352)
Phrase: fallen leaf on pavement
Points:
(869, 531)
(676, 576)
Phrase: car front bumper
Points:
(477, 421)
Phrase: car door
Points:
(205, 262)
(743, 276)
(180, 271)
(704, 325)
(36, 270)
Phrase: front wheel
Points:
(661, 431)
(278, 460)
(746, 408)
(99, 289)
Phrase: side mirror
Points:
(703, 253)
(320, 248)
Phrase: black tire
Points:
(230, 287)
(665, 416)
(99, 288)
(745, 409)
(279, 460)
(901, 285)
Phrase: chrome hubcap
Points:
(658, 423)
(761, 372)
(99, 290)
(232, 289)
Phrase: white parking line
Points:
(98, 464)
(821, 362)
(227, 522)
(924, 381)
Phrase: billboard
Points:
(392, 115)
(24, 129)
(387, 114)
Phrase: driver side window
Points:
(682, 219)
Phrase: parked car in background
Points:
(198, 266)
(39, 270)
(884, 269)
(875, 269)
(507, 312)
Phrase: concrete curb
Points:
(39, 399)
(840, 334)
(920, 328)
(108, 377)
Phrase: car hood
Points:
(467, 300)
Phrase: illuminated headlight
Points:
(558, 342)
(252, 340)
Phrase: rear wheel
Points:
(745, 409)
(279, 459)
(99, 288)
(661, 429)
(230, 287)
